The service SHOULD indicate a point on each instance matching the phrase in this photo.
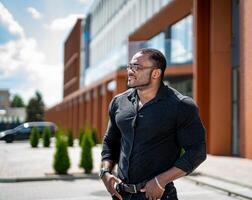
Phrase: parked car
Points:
(23, 131)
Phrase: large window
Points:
(182, 83)
(85, 39)
(157, 42)
(181, 49)
(176, 42)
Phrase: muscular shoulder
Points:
(120, 98)
(124, 94)
(186, 108)
(184, 103)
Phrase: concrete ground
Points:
(86, 189)
(19, 160)
(216, 178)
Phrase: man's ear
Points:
(156, 73)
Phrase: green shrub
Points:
(86, 161)
(82, 131)
(89, 134)
(61, 162)
(70, 137)
(59, 133)
(34, 137)
(46, 137)
(94, 138)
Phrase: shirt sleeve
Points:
(112, 137)
(190, 136)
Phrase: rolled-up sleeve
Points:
(112, 137)
(190, 136)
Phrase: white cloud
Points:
(63, 24)
(85, 2)
(34, 13)
(22, 58)
(24, 65)
(19, 52)
(45, 78)
(8, 21)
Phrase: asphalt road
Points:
(92, 190)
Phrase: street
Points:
(92, 190)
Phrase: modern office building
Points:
(207, 44)
(72, 54)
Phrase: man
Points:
(149, 126)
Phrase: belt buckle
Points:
(135, 189)
(118, 188)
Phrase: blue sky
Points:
(32, 34)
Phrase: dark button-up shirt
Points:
(148, 141)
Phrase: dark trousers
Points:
(169, 194)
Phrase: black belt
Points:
(135, 188)
(130, 188)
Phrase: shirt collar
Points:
(161, 94)
(132, 96)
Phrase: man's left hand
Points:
(152, 191)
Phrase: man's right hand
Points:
(110, 181)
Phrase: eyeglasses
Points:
(137, 67)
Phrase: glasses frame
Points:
(137, 67)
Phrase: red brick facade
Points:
(72, 60)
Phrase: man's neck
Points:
(147, 94)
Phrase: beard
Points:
(138, 84)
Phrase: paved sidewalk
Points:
(233, 169)
(18, 161)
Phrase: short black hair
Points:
(157, 57)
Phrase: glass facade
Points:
(112, 21)
(176, 43)
(85, 40)
(116, 59)
(181, 41)
(157, 42)
(182, 83)
(108, 47)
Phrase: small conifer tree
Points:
(70, 137)
(82, 131)
(89, 134)
(86, 161)
(34, 137)
(47, 137)
(61, 162)
(94, 138)
(58, 134)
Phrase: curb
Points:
(222, 179)
(235, 190)
(50, 177)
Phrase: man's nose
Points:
(130, 72)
